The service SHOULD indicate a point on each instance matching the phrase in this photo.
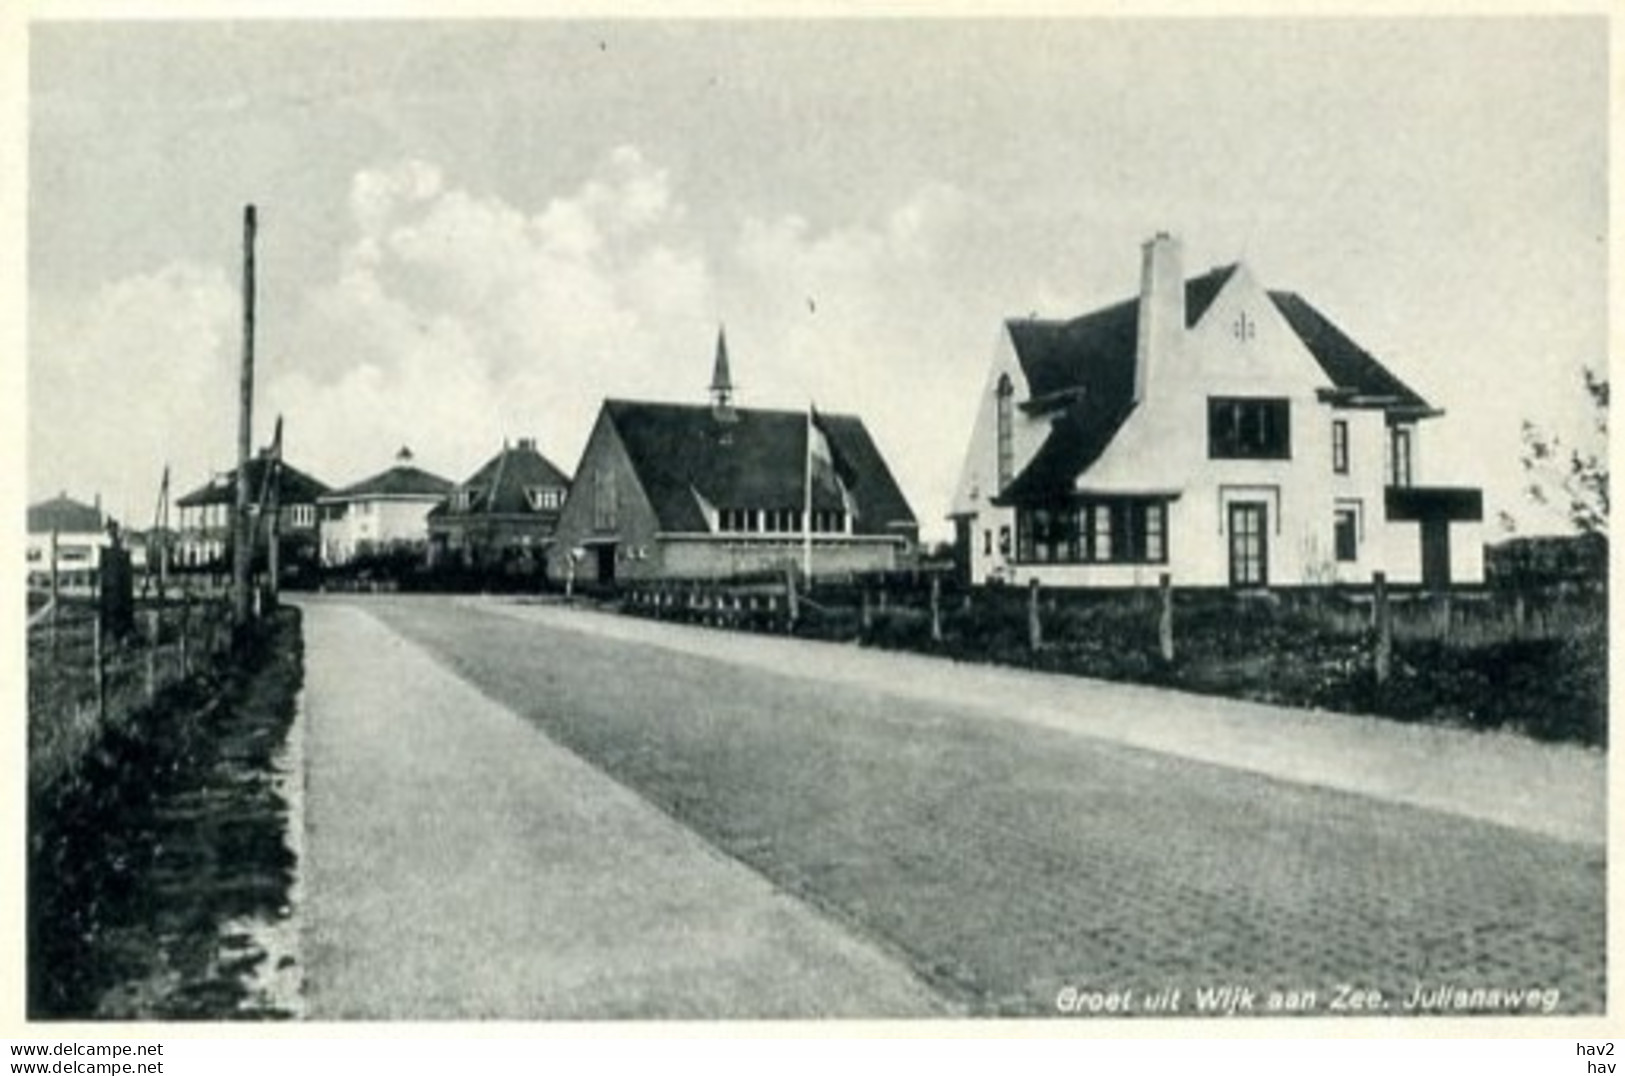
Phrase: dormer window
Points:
(544, 498)
(465, 498)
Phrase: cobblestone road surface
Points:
(1007, 863)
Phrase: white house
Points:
(389, 511)
(1210, 429)
(78, 532)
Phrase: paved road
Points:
(459, 865)
(898, 836)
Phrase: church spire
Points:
(722, 387)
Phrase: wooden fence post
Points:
(1165, 622)
(1441, 615)
(1035, 623)
(186, 616)
(936, 608)
(1385, 626)
(866, 615)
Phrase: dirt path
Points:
(1555, 790)
(460, 865)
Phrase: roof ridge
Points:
(496, 479)
(676, 405)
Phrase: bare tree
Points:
(1572, 479)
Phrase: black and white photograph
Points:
(1022, 521)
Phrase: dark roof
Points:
(498, 488)
(402, 480)
(1095, 353)
(751, 459)
(1349, 366)
(293, 486)
(63, 513)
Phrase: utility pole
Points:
(158, 541)
(269, 509)
(243, 552)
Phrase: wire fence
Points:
(853, 606)
(86, 675)
(1532, 658)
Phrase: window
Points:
(1005, 394)
(1099, 533)
(605, 504)
(1346, 534)
(987, 543)
(1241, 428)
(829, 521)
(1340, 446)
(542, 498)
(1118, 531)
(1399, 456)
(1156, 538)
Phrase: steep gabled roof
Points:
(293, 486)
(499, 487)
(1087, 364)
(1095, 352)
(1348, 365)
(749, 459)
(65, 515)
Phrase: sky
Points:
(472, 231)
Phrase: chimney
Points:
(1162, 309)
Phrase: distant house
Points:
(669, 490)
(503, 517)
(386, 512)
(205, 523)
(1225, 434)
(81, 533)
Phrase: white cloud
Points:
(867, 318)
(376, 195)
(479, 319)
(139, 373)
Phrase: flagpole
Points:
(806, 509)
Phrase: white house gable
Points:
(1257, 447)
(979, 478)
(1243, 346)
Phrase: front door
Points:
(606, 564)
(1435, 554)
(1249, 544)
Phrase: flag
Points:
(822, 453)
